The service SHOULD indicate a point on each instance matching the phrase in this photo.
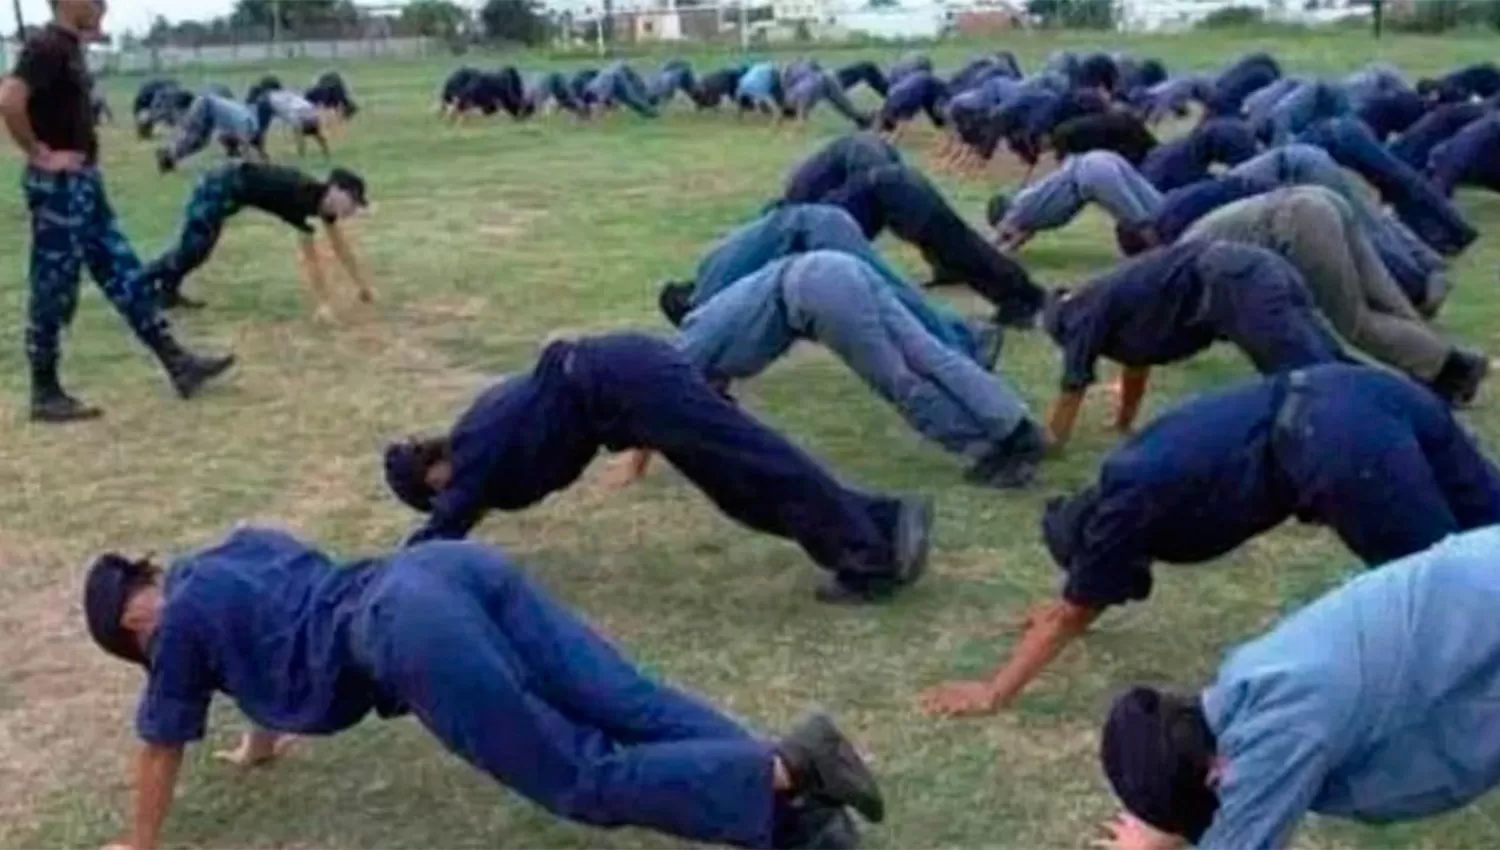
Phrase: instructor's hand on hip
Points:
(56, 162)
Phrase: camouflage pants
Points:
(72, 224)
(212, 203)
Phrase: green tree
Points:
(515, 21)
(437, 18)
(1073, 14)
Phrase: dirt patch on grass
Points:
(64, 706)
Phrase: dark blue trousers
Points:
(72, 224)
(1416, 201)
(1416, 143)
(211, 204)
(640, 393)
(1471, 157)
(517, 686)
(1259, 302)
(1381, 461)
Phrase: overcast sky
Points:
(123, 14)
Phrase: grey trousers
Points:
(1316, 231)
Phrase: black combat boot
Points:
(51, 404)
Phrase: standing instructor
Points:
(45, 104)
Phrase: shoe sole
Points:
(857, 787)
(913, 540)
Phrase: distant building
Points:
(1168, 15)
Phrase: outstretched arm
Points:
(156, 771)
(317, 281)
(1132, 390)
(1048, 631)
(348, 260)
(1062, 417)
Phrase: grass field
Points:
(485, 241)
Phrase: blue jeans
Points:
(1304, 105)
(841, 302)
(1430, 215)
(620, 84)
(1101, 177)
(521, 689)
(669, 81)
(819, 85)
(797, 228)
(72, 224)
(835, 164)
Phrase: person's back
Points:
(264, 619)
(1376, 702)
(291, 106)
(1201, 467)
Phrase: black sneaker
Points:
(824, 766)
(1012, 463)
(913, 539)
(164, 162)
(55, 408)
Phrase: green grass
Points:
(484, 241)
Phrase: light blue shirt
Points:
(1379, 702)
(230, 117)
(757, 81)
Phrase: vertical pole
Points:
(1378, 14)
(275, 27)
(20, 22)
(744, 26)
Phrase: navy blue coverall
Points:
(1114, 130)
(1373, 456)
(456, 635)
(1416, 143)
(835, 164)
(918, 92)
(1390, 112)
(1471, 157)
(1223, 141)
(1239, 80)
(1171, 303)
(901, 199)
(534, 435)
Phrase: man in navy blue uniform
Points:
(1171, 303)
(534, 435)
(835, 164)
(901, 199)
(503, 676)
(1373, 456)
(1185, 160)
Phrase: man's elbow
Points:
(13, 96)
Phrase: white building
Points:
(1167, 15)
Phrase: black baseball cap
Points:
(350, 182)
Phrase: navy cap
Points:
(1155, 750)
(406, 473)
(111, 579)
